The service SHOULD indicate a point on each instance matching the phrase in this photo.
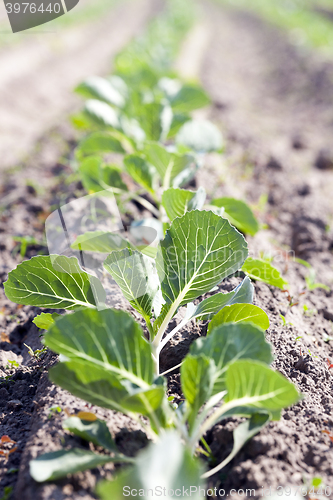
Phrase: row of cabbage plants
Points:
(140, 144)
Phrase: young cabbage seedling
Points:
(199, 250)
(107, 362)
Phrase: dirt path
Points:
(37, 77)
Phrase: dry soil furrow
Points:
(37, 79)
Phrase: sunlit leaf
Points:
(55, 282)
(108, 361)
(45, 320)
(179, 201)
(239, 313)
(261, 270)
(199, 250)
(207, 308)
(137, 277)
(230, 342)
(239, 214)
(60, 463)
(256, 386)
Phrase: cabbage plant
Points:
(108, 360)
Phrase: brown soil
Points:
(274, 103)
